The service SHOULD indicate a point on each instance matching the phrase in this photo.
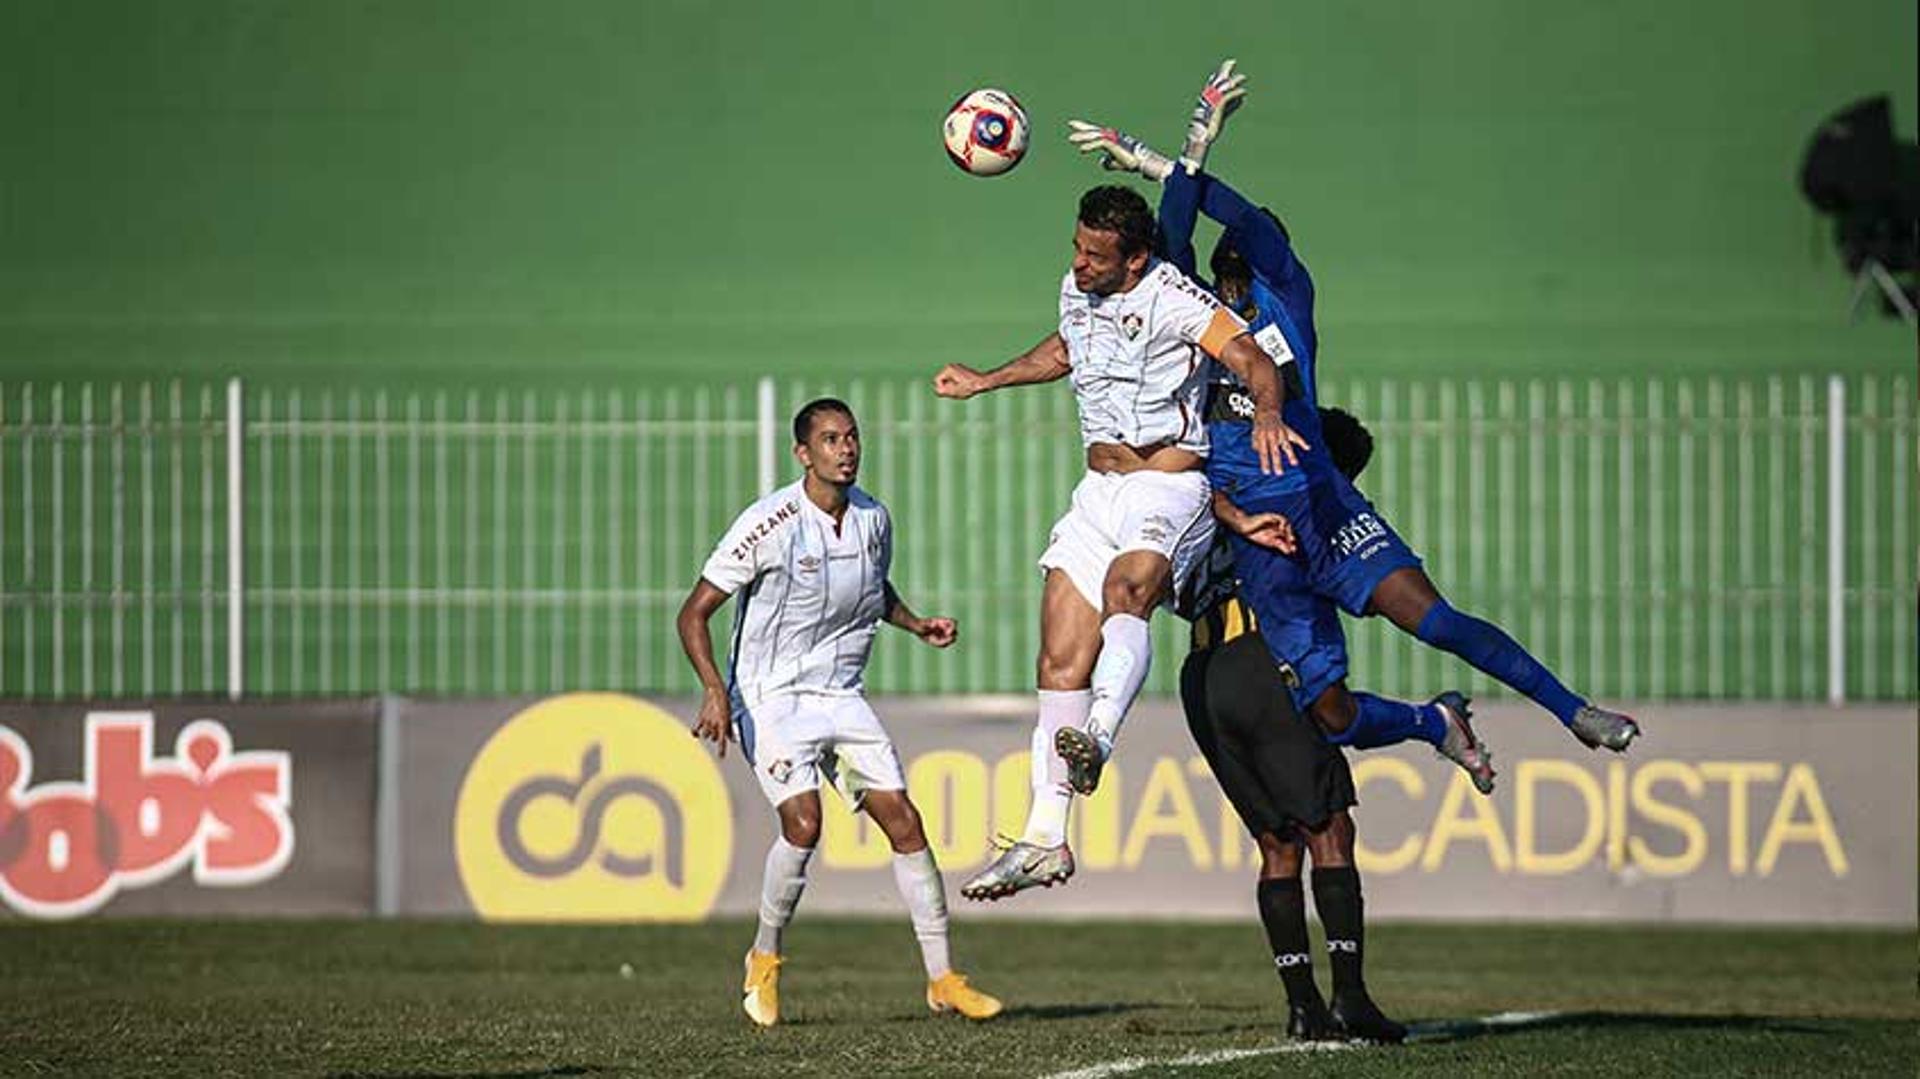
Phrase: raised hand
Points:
(1218, 100)
(1120, 151)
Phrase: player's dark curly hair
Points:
(1348, 441)
(1112, 208)
(803, 419)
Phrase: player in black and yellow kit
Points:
(1290, 786)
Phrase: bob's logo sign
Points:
(134, 819)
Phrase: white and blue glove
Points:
(1218, 100)
(1120, 152)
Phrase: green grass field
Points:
(444, 1000)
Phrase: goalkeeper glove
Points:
(1218, 100)
(1120, 152)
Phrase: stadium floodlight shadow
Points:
(1432, 1031)
(557, 1072)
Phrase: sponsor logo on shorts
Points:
(781, 770)
(586, 807)
(1241, 404)
(135, 819)
(1363, 528)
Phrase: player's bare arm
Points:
(1044, 362)
(1271, 530)
(715, 720)
(1273, 440)
(938, 632)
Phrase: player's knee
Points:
(801, 828)
(1335, 711)
(1063, 669)
(1332, 846)
(1128, 595)
(1408, 599)
(904, 830)
(1279, 859)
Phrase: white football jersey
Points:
(808, 596)
(1139, 357)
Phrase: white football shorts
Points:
(1169, 513)
(794, 741)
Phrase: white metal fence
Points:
(1649, 538)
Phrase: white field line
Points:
(1442, 1030)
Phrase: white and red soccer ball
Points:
(986, 132)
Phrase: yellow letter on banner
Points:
(1616, 815)
(1737, 774)
(1532, 773)
(950, 788)
(1688, 825)
(1230, 826)
(1449, 824)
(1365, 858)
(1801, 786)
(1166, 784)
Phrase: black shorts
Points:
(1275, 766)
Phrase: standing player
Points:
(1134, 334)
(1349, 557)
(810, 562)
(1290, 786)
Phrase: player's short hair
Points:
(1112, 208)
(803, 419)
(1348, 441)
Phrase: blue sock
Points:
(1499, 656)
(1385, 722)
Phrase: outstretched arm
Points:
(1258, 236)
(1179, 210)
(1044, 362)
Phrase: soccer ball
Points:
(986, 132)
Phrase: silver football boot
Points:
(1081, 751)
(1021, 865)
(1597, 728)
(1461, 745)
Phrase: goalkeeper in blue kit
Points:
(1306, 543)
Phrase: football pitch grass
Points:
(440, 999)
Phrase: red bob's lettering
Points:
(135, 819)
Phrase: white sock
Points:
(1126, 653)
(926, 896)
(1047, 819)
(780, 888)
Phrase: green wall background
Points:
(593, 192)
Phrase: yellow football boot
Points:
(760, 996)
(951, 993)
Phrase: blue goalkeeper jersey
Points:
(1279, 313)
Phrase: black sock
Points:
(1283, 910)
(1336, 895)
